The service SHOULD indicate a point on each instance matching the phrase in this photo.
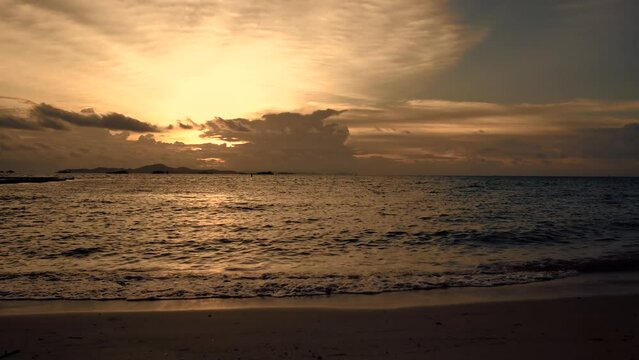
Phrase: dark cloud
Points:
(589, 151)
(423, 135)
(285, 142)
(185, 126)
(614, 143)
(10, 121)
(279, 142)
(113, 121)
(45, 116)
(15, 122)
(46, 151)
(224, 129)
(188, 124)
(423, 112)
(51, 123)
(274, 125)
(588, 139)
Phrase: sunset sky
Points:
(538, 87)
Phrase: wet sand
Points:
(571, 328)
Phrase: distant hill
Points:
(148, 169)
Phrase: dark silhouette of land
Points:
(162, 169)
(148, 169)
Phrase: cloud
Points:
(46, 151)
(434, 136)
(580, 137)
(185, 126)
(45, 116)
(285, 142)
(279, 142)
(15, 122)
(113, 121)
(125, 55)
(609, 143)
(574, 113)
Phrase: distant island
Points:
(156, 169)
(148, 169)
(7, 177)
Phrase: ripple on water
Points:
(230, 236)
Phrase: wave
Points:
(81, 251)
(315, 235)
(154, 286)
(609, 263)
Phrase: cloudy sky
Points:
(531, 87)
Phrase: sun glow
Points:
(224, 81)
(191, 137)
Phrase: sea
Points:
(173, 236)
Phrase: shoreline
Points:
(598, 327)
(583, 285)
(582, 317)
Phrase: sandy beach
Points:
(590, 327)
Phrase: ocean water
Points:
(200, 236)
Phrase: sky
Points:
(460, 87)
